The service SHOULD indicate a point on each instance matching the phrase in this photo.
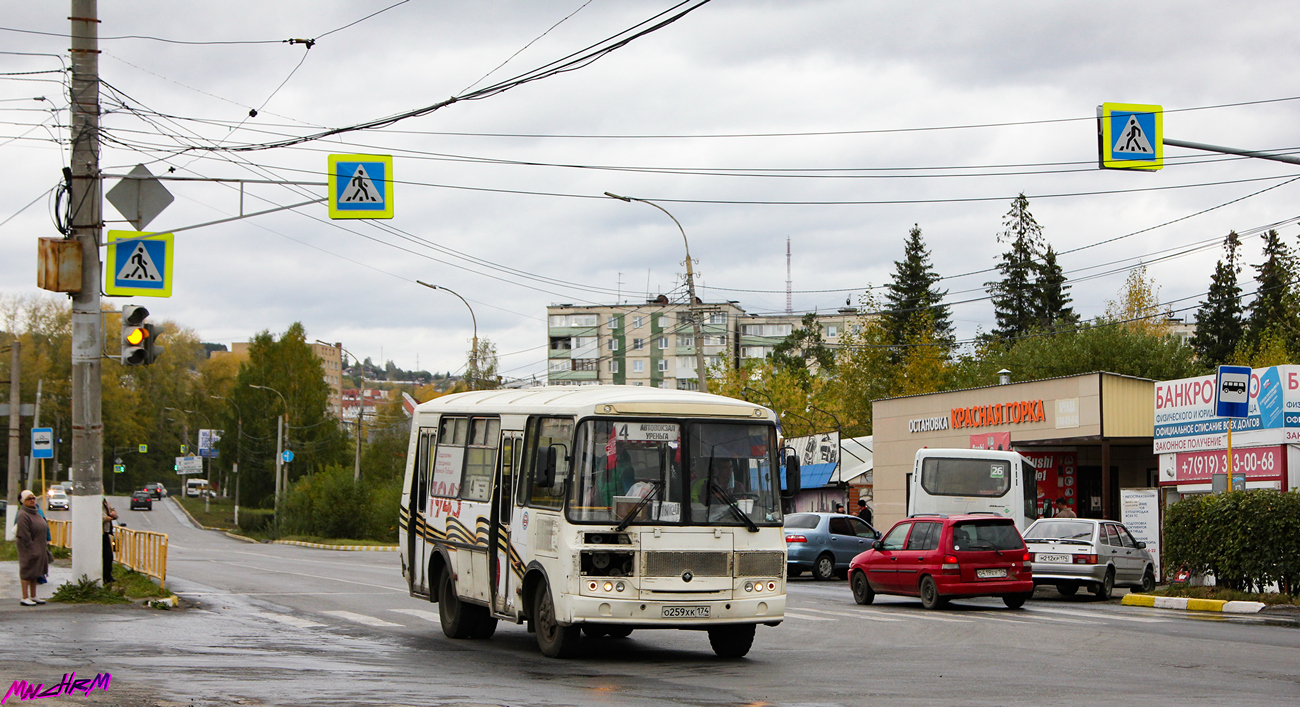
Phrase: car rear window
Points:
(1061, 530)
(802, 520)
(985, 535)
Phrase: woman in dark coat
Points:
(31, 534)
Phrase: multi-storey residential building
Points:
(654, 343)
(331, 362)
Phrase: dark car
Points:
(939, 557)
(825, 543)
(156, 490)
(142, 500)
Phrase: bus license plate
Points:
(991, 573)
(685, 612)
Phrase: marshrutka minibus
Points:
(957, 481)
(595, 510)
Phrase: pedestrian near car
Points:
(1064, 511)
(110, 515)
(864, 512)
(30, 535)
(839, 508)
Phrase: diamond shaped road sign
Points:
(140, 197)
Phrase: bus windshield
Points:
(636, 469)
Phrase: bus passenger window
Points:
(480, 459)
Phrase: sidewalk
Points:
(11, 591)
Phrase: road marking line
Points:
(1098, 615)
(857, 614)
(790, 615)
(924, 617)
(290, 620)
(359, 618)
(402, 590)
(1062, 620)
(431, 616)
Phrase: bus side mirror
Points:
(544, 474)
(792, 477)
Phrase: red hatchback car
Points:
(939, 557)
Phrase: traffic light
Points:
(134, 335)
(139, 338)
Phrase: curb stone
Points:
(353, 548)
(1189, 604)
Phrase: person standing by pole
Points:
(110, 515)
(31, 533)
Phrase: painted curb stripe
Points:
(1186, 604)
(353, 548)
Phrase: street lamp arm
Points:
(472, 318)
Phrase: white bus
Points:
(196, 487)
(956, 481)
(595, 510)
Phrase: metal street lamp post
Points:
(281, 423)
(361, 418)
(239, 447)
(473, 359)
(700, 371)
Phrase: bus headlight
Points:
(771, 586)
(749, 586)
(620, 587)
(592, 586)
(609, 586)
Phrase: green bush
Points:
(254, 520)
(329, 504)
(1247, 539)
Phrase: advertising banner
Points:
(1140, 513)
(1056, 476)
(819, 457)
(1185, 419)
(1256, 463)
(996, 441)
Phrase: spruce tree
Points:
(913, 293)
(1219, 324)
(1053, 306)
(1016, 296)
(1276, 308)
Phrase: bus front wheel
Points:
(556, 641)
(732, 641)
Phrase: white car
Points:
(56, 500)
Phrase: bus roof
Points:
(593, 399)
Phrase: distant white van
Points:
(196, 487)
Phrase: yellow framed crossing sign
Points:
(1131, 136)
(139, 264)
(361, 186)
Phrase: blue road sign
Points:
(139, 264)
(1232, 392)
(42, 442)
(1132, 136)
(287, 455)
(361, 186)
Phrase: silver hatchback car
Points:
(1071, 552)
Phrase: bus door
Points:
(503, 508)
(417, 513)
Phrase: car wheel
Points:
(556, 641)
(1149, 580)
(862, 591)
(1015, 601)
(1067, 589)
(1103, 590)
(930, 598)
(824, 568)
(732, 641)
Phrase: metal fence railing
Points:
(142, 550)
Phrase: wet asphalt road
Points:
(284, 625)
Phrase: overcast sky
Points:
(720, 94)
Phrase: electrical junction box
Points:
(58, 265)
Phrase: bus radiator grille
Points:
(760, 564)
(700, 564)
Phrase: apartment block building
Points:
(654, 343)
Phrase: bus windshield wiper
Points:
(735, 507)
(627, 520)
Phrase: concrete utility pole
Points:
(15, 416)
(701, 372)
(87, 472)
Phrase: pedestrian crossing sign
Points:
(1131, 136)
(361, 186)
(139, 264)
